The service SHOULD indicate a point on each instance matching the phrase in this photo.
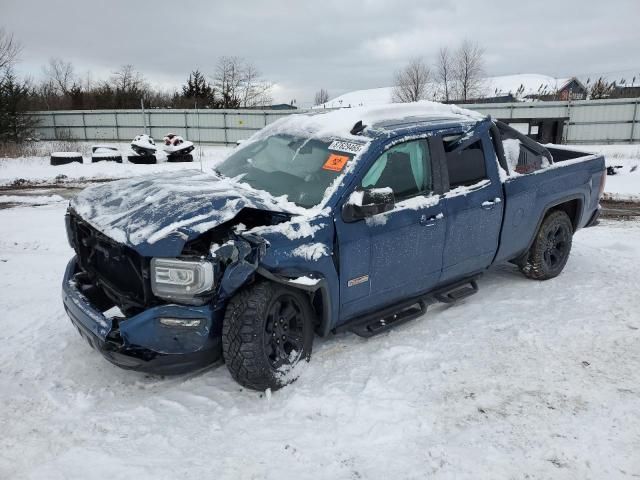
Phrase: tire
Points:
(551, 248)
(253, 346)
(142, 159)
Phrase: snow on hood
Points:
(159, 213)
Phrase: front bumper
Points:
(141, 342)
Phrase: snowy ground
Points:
(625, 185)
(523, 380)
(37, 169)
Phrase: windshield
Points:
(300, 168)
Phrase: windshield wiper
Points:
(218, 173)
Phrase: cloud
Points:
(341, 46)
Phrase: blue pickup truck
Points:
(349, 220)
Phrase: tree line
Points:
(458, 74)
(234, 83)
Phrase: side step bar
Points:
(457, 292)
(385, 319)
(370, 327)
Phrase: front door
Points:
(398, 254)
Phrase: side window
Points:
(405, 168)
(466, 166)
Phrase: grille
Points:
(118, 270)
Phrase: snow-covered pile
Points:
(523, 380)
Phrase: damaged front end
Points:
(158, 315)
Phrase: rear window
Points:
(466, 165)
(522, 154)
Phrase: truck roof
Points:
(373, 121)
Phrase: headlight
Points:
(180, 279)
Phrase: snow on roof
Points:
(532, 84)
(338, 123)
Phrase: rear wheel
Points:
(267, 330)
(550, 250)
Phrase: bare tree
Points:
(468, 71)
(255, 92)
(322, 96)
(127, 79)
(227, 81)
(445, 72)
(239, 84)
(61, 75)
(9, 49)
(411, 82)
(128, 86)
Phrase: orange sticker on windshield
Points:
(335, 163)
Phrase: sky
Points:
(341, 46)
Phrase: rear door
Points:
(398, 254)
(474, 205)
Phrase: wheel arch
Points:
(571, 205)
(319, 296)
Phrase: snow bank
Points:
(32, 199)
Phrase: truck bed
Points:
(574, 179)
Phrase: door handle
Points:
(430, 221)
(489, 204)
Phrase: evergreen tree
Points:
(15, 125)
(199, 90)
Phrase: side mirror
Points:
(367, 203)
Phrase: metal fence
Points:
(586, 121)
(205, 126)
(593, 121)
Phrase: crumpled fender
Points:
(271, 255)
(241, 257)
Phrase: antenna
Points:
(199, 141)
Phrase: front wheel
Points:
(267, 329)
(550, 250)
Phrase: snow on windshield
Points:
(299, 168)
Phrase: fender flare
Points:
(576, 222)
(324, 326)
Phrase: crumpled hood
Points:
(157, 214)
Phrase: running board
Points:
(457, 292)
(373, 326)
(385, 319)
